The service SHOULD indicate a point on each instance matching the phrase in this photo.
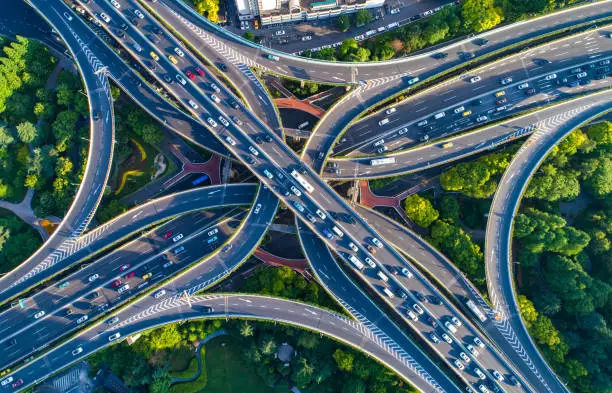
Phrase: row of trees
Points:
(471, 16)
(208, 8)
(566, 269)
(17, 242)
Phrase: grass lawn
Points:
(227, 372)
(138, 170)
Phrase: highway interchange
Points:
(251, 132)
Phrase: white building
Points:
(280, 11)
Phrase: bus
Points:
(476, 310)
(300, 179)
(382, 161)
(356, 262)
(199, 180)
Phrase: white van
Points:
(382, 276)
(337, 231)
(439, 115)
(388, 293)
(379, 142)
(356, 262)
(383, 122)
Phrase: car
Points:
(467, 55)
(479, 373)
(147, 276)
(478, 342)
(550, 77)
(523, 86)
(328, 234)
(382, 149)
(93, 277)
(403, 131)
(482, 42)
(215, 98)
(230, 140)
(226, 248)
(172, 59)
(432, 321)
(576, 70)
(12, 342)
(464, 357)
(472, 350)
(391, 111)
(482, 118)
(311, 218)
(167, 264)
(298, 206)
(115, 4)
(458, 364)
(129, 275)
(377, 242)
(63, 285)
(372, 249)
(439, 55)
(459, 109)
(418, 309)
(447, 338)
(530, 92)
(159, 294)
(370, 262)
(190, 75)
(233, 104)
(506, 81)
(215, 87)
(406, 272)
(280, 32)
(298, 193)
(501, 101)
(67, 16)
(77, 351)
(39, 314)
(420, 296)
(123, 288)
(500, 93)
(483, 389)
(412, 315)
(466, 113)
(17, 383)
(267, 138)
(498, 376)
(434, 337)
(604, 62)
(513, 381)
(307, 38)
(177, 238)
(179, 52)
(199, 71)
(236, 120)
(68, 311)
(475, 79)
(450, 327)
(585, 82)
(167, 235)
(105, 17)
(401, 294)
(181, 80)
(257, 208)
(82, 319)
(114, 336)
(138, 13)
(222, 67)
(581, 75)
(541, 62)
(94, 295)
(95, 116)
(456, 321)
(113, 321)
(224, 121)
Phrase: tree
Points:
(64, 129)
(476, 178)
(554, 185)
(161, 381)
(302, 376)
(600, 133)
(152, 134)
(528, 311)
(27, 132)
(449, 208)
(544, 332)
(458, 246)
(113, 209)
(344, 360)
(343, 22)
(246, 329)
(420, 210)
(6, 138)
(208, 8)
(249, 36)
(354, 385)
(362, 17)
(599, 182)
(345, 49)
(165, 337)
(63, 166)
(479, 15)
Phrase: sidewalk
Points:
(24, 211)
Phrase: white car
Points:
(412, 315)
(478, 342)
(482, 118)
(215, 88)
(390, 111)
(550, 77)
(254, 151)
(280, 32)
(178, 51)
(215, 98)
(105, 17)
(115, 4)
(434, 337)
(307, 38)
(229, 140)
(406, 272)
(123, 288)
(181, 80)
(459, 365)
(523, 86)
(377, 242)
(321, 215)
(370, 262)
(475, 79)
(456, 321)
(581, 75)
(224, 121)
(94, 277)
(139, 14)
(168, 264)
(114, 336)
(353, 247)
(505, 81)
(418, 309)
(298, 193)
(67, 16)
(483, 389)
(82, 319)
(459, 109)
(211, 122)
(403, 131)
(472, 350)
(479, 373)
(450, 327)
(257, 208)
(193, 104)
(447, 338)
(6, 381)
(498, 376)
(113, 320)
(159, 294)
(77, 351)
(177, 238)
(464, 357)
(39, 314)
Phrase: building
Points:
(280, 11)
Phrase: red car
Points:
(124, 268)
(190, 75)
(167, 235)
(17, 383)
(199, 71)
(129, 275)
(116, 283)
(501, 101)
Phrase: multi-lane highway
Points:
(212, 115)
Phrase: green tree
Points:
(343, 22)
(161, 381)
(246, 329)
(113, 209)
(152, 134)
(458, 246)
(208, 8)
(600, 133)
(362, 17)
(64, 129)
(165, 337)
(249, 36)
(6, 138)
(449, 208)
(27, 132)
(420, 210)
(354, 385)
(63, 166)
(479, 15)
(344, 360)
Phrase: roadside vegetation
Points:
(207, 8)
(470, 16)
(43, 141)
